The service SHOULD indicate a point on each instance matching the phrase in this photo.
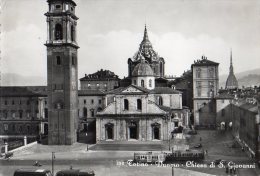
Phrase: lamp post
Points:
(172, 171)
(170, 142)
(52, 162)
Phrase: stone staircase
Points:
(129, 146)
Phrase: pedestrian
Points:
(234, 170)
(227, 170)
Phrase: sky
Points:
(110, 31)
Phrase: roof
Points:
(204, 62)
(142, 69)
(120, 89)
(224, 95)
(165, 108)
(70, 1)
(73, 171)
(100, 75)
(90, 92)
(165, 90)
(250, 107)
(23, 91)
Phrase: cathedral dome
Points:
(142, 69)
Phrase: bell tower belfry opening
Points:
(62, 72)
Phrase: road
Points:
(114, 163)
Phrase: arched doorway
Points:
(109, 131)
(156, 131)
(133, 132)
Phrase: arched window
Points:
(58, 32)
(139, 104)
(85, 112)
(142, 83)
(150, 83)
(72, 33)
(160, 100)
(126, 104)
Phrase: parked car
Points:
(32, 172)
(75, 172)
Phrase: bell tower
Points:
(62, 72)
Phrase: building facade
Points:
(205, 88)
(103, 80)
(23, 112)
(62, 75)
(141, 111)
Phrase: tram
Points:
(149, 157)
(177, 155)
(185, 155)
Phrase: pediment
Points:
(132, 89)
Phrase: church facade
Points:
(141, 111)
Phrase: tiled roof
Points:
(224, 96)
(250, 107)
(100, 75)
(165, 108)
(164, 90)
(120, 89)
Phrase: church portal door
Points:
(156, 131)
(133, 130)
(109, 131)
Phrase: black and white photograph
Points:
(129, 87)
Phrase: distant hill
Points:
(11, 79)
(247, 78)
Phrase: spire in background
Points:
(231, 70)
(231, 82)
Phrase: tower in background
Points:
(62, 70)
(231, 82)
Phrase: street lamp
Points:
(52, 162)
(170, 142)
